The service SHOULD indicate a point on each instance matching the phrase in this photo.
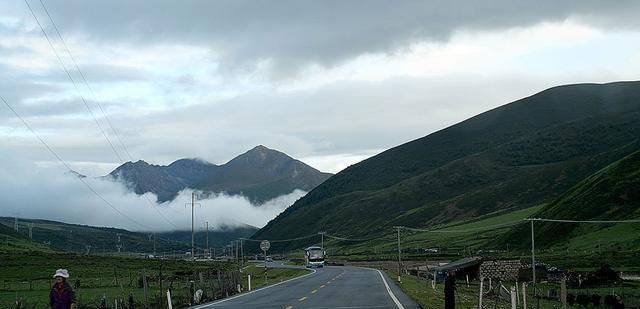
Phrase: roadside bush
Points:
(582, 300)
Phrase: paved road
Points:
(339, 287)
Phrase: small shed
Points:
(468, 266)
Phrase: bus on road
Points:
(314, 256)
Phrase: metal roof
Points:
(460, 264)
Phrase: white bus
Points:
(314, 256)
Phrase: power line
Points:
(351, 239)
(26, 124)
(489, 227)
(93, 95)
(582, 221)
(281, 240)
(64, 67)
(73, 60)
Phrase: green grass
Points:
(274, 275)
(387, 245)
(424, 294)
(27, 276)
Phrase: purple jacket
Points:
(62, 298)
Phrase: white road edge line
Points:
(251, 292)
(393, 297)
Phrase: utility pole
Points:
(208, 251)
(118, 244)
(154, 245)
(533, 256)
(193, 198)
(399, 259)
(15, 225)
(322, 239)
(242, 251)
(193, 204)
(31, 230)
(237, 250)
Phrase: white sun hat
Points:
(61, 273)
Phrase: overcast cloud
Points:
(327, 82)
(52, 193)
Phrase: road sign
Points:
(265, 245)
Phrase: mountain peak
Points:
(137, 163)
(261, 148)
(260, 155)
(259, 174)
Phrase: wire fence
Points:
(131, 289)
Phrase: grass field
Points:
(467, 296)
(274, 275)
(617, 245)
(447, 237)
(27, 278)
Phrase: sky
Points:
(327, 82)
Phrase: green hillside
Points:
(612, 193)
(12, 242)
(52, 235)
(522, 154)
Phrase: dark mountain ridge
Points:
(76, 237)
(259, 174)
(521, 154)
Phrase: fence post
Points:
(517, 294)
(160, 283)
(524, 295)
(433, 283)
(144, 285)
(169, 302)
(563, 292)
(249, 281)
(480, 297)
(513, 298)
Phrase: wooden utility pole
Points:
(193, 237)
(208, 252)
(399, 252)
(533, 256)
(193, 200)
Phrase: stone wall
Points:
(506, 270)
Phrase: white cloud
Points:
(48, 192)
(332, 93)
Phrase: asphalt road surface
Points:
(336, 287)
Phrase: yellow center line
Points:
(301, 299)
(314, 291)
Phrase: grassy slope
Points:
(519, 155)
(74, 237)
(612, 193)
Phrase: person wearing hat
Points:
(62, 295)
